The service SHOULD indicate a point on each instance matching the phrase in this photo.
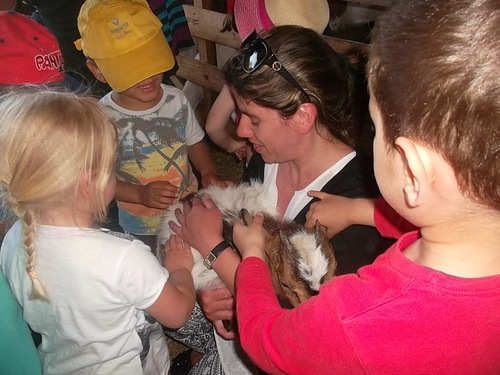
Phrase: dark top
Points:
(59, 16)
(357, 245)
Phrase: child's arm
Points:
(250, 240)
(388, 222)
(156, 194)
(199, 156)
(217, 119)
(175, 303)
(337, 213)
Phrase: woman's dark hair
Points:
(327, 77)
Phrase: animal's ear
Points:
(246, 217)
(285, 240)
(319, 230)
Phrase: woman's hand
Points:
(218, 305)
(200, 224)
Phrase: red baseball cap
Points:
(29, 53)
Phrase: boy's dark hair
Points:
(434, 72)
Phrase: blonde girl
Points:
(90, 294)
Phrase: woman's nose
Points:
(244, 129)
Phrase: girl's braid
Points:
(29, 225)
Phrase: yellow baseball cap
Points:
(125, 40)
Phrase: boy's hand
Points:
(250, 240)
(332, 211)
(159, 194)
(177, 254)
(337, 213)
(241, 153)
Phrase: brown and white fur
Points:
(299, 260)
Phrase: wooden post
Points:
(207, 53)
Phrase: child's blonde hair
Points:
(48, 141)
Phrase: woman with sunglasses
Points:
(250, 16)
(300, 109)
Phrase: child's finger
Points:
(208, 202)
(258, 220)
(178, 244)
(318, 194)
(177, 241)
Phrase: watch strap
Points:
(216, 251)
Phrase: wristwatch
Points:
(216, 251)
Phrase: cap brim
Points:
(151, 58)
(246, 16)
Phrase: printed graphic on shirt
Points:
(151, 148)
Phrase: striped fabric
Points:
(175, 26)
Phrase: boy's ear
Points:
(305, 118)
(417, 171)
(95, 70)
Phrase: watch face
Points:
(209, 260)
(207, 264)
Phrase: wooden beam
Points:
(373, 3)
(207, 24)
(353, 50)
(201, 73)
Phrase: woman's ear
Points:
(92, 66)
(418, 171)
(305, 118)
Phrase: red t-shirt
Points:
(392, 317)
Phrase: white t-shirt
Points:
(98, 287)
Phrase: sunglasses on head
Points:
(258, 52)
